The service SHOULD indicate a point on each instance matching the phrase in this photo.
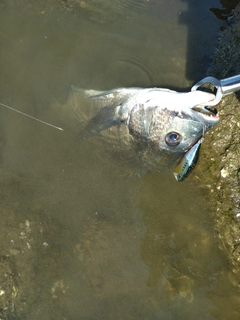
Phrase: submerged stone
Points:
(219, 164)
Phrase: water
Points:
(82, 235)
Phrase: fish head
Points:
(172, 128)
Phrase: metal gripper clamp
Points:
(223, 87)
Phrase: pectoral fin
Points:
(106, 118)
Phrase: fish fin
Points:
(110, 98)
(114, 97)
(71, 88)
(106, 118)
(114, 93)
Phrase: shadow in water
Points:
(202, 35)
(227, 7)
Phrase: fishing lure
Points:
(188, 162)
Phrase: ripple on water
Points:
(132, 5)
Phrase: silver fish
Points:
(162, 124)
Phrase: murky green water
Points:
(82, 235)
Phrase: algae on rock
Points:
(219, 164)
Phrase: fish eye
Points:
(173, 138)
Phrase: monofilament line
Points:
(27, 115)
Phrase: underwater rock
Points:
(222, 148)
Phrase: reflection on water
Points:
(82, 235)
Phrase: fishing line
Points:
(27, 115)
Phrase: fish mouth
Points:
(203, 114)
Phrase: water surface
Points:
(85, 236)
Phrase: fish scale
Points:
(162, 124)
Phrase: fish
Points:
(161, 125)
